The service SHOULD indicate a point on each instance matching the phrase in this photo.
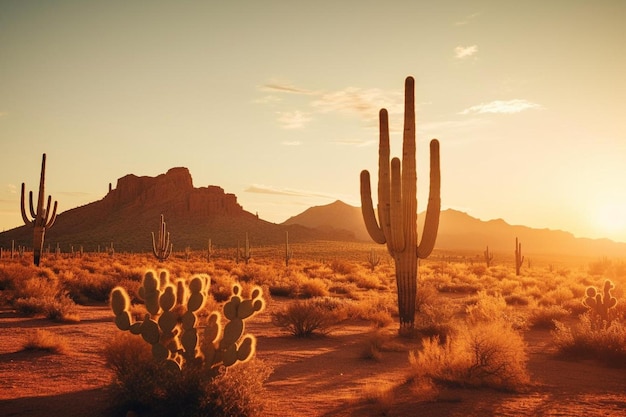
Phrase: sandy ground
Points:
(324, 376)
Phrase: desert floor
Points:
(323, 376)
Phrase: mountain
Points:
(131, 211)
(332, 217)
(458, 231)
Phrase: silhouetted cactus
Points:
(288, 250)
(397, 206)
(162, 248)
(42, 218)
(488, 257)
(373, 259)
(600, 303)
(519, 259)
(246, 254)
(172, 325)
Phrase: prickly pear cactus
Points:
(600, 303)
(172, 325)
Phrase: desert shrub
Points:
(60, 308)
(141, 384)
(44, 340)
(435, 319)
(313, 287)
(487, 354)
(591, 339)
(542, 317)
(339, 266)
(379, 342)
(303, 318)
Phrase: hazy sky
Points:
(277, 101)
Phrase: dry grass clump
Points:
(592, 339)
(313, 287)
(379, 342)
(140, 384)
(304, 318)
(544, 317)
(489, 354)
(44, 340)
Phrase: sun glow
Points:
(610, 219)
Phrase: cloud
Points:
(502, 106)
(467, 19)
(364, 103)
(355, 142)
(293, 119)
(268, 189)
(291, 143)
(285, 88)
(462, 52)
(11, 189)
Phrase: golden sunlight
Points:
(610, 218)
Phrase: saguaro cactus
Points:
(163, 248)
(397, 206)
(519, 259)
(42, 218)
(488, 257)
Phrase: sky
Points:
(277, 102)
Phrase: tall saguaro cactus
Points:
(42, 218)
(519, 258)
(162, 248)
(397, 206)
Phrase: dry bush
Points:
(592, 339)
(381, 396)
(141, 384)
(58, 308)
(313, 287)
(379, 342)
(339, 266)
(487, 354)
(304, 318)
(435, 319)
(44, 340)
(543, 317)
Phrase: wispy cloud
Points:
(293, 119)
(268, 189)
(502, 106)
(11, 189)
(467, 19)
(355, 142)
(291, 142)
(280, 87)
(462, 52)
(364, 103)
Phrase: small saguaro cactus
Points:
(246, 254)
(600, 303)
(175, 330)
(42, 217)
(209, 252)
(519, 259)
(397, 206)
(162, 249)
(373, 259)
(288, 250)
(488, 257)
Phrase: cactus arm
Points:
(431, 222)
(384, 174)
(52, 218)
(397, 243)
(367, 209)
(27, 221)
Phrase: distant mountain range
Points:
(131, 211)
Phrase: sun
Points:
(611, 219)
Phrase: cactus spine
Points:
(162, 249)
(488, 257)
(172, 322)
(397, 206)
(42, 218)
(519, 259)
